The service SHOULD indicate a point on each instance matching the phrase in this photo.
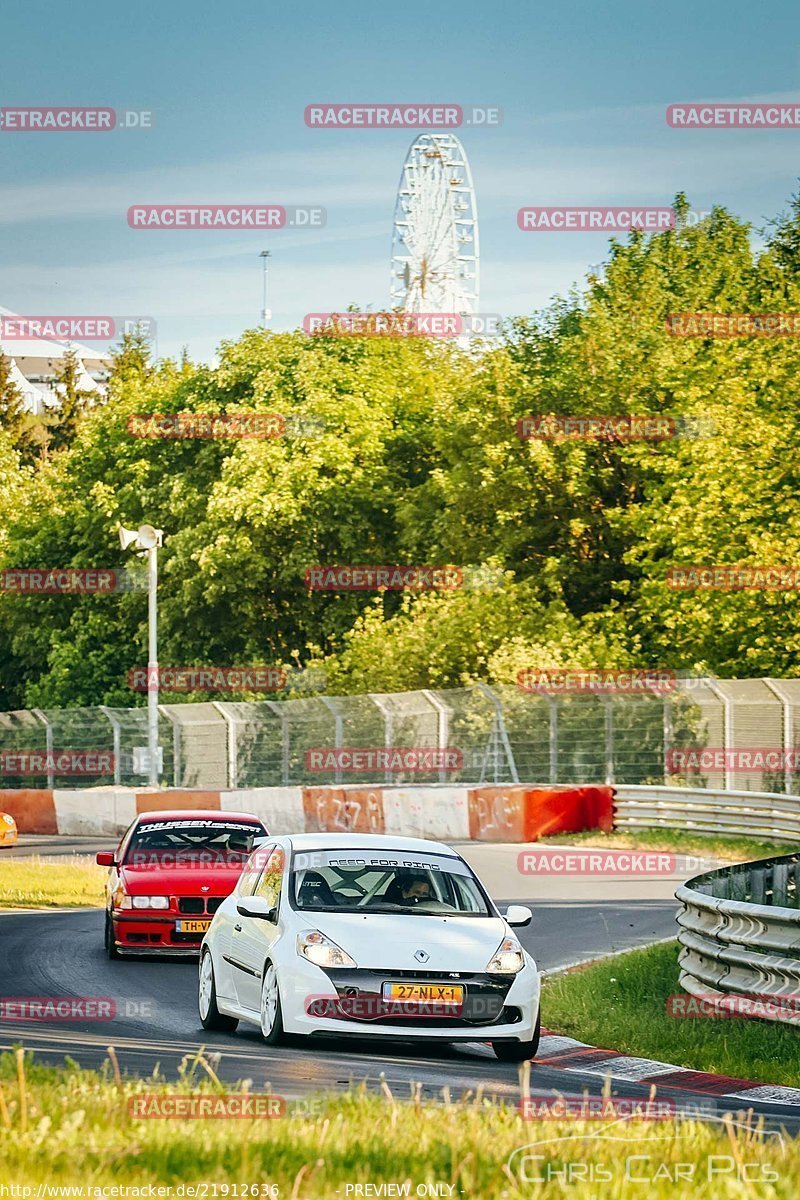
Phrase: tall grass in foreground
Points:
(72, 1126)
(51, 882)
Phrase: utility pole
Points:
(266, 314)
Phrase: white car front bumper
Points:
(301, 983)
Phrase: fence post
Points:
(777, 690)
(48, 741)
(727, 724)
(667, 722)
(442, 725)
(114, 722)
(608, 705)
(388, 725)
(280, 708)
(553, 747)
(232, 740)
(177, 766)
(338, 726)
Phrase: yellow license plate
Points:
(193, 926)
(424, 993)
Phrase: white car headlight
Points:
(321, 951)
(507, 959)
(8, 820)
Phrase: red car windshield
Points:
(192, 842)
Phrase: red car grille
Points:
(197, 905)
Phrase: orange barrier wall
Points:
(33, 809)
(153, 801)
(340, 810)
(524, 814)
(514, 813)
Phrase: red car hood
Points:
(180, 880)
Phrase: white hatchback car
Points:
(361, 934)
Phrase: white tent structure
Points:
(35, 363)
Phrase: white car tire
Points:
(270, 1011)
(519, 1051)
(210, 1016)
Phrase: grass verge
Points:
(51, 882)
(676, 841)
(73, 1127)
(620, 1004)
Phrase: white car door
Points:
(253, 936)
(227, 916)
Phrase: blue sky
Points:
(583, 88)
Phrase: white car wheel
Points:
(210, 1016)
(271, 1018)
(205, 986)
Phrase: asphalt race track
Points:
(60, 953)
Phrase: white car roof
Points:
(366, 841)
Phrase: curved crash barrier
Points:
(494, 814)
(740, 940)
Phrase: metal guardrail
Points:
(740, 938)
(752, 814)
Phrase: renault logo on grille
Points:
(421, 956)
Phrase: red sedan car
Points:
(169, 875)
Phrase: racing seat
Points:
(314, 891)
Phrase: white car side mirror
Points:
(254, 906)
(518, 914)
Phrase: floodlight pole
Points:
(152, 665)
(265, 256)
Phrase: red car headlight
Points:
(123, 900)
(151, 901)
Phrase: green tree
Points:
(73, 402)
(15, 422)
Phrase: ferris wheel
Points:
(435, 257)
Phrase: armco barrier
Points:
(698, 810)
(495, 814)
(740, 938)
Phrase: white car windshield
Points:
(385, 882)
